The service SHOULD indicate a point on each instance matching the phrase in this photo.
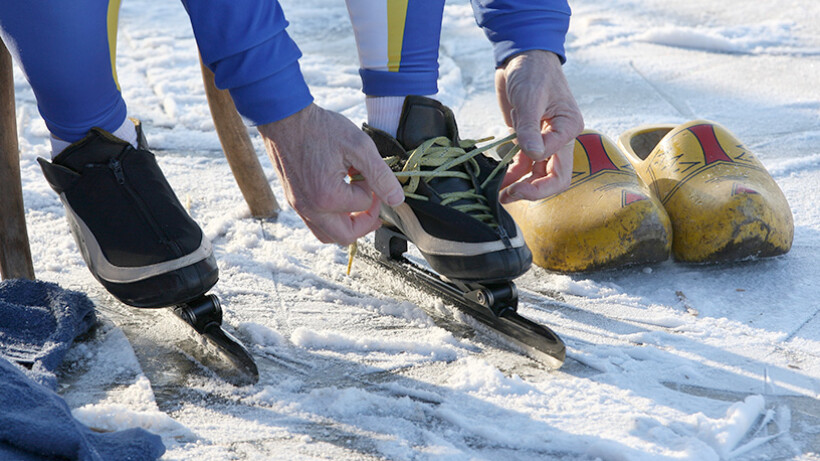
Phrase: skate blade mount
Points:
(204, 315)
(493, 304)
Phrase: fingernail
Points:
(533, 147)
(509, 197)
(535, 153)
(395, 198)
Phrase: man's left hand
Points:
(536, 102)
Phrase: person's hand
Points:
(313, 152)
(537, 104)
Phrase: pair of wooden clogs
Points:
(693, 189)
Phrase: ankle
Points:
(127, 132)
(57, 146)
(384, 112)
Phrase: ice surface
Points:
(670, 361)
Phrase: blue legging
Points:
(67, 51)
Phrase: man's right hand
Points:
(313, 151)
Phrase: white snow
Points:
(665, 362)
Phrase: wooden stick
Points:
(233, 135)
(15, 253)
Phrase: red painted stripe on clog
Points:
(712, 150)
(593, 145)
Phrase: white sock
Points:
(127, 132)
(384, 112)
(57, 146)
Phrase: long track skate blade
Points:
(536, 341)
(244, 371)
(222, 353)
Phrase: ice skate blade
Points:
(496, 311)
(225, 355)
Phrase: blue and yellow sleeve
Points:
(398, 44)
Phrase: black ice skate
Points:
(451, 212)
(141, 244)
(134, 235)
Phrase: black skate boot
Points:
(134, 235)
(451, 212)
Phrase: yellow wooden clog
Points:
(606, 218)
(722, 202)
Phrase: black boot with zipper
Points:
(134, 235)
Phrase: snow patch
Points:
(760, 38)
(724, 434)
(688, 37)
(262, 335)
(788, 166)
(133, 407)
(116, 417)
(476, 375)
(438, 350)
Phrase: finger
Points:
(379, 177)
(527, 123)
(365, 222)
(561, 162)
(541, 169)
(349, 198)
(520, 167)
(501, 94)
(317, 231)
(534, 189)
(345, 228)
(561, 130)
(547, 179)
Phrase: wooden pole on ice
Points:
(233, 135)
(15, 253)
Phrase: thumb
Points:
(379, 176)
(527, 125)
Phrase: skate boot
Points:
(451, 212)
(134, 235)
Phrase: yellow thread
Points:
(352, 249)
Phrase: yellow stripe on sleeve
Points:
(113, 19)
(396, 14)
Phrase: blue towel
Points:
(36, 424)
(38, 323)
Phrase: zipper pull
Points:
(505, 237)
(116, 167)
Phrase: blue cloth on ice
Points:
(36, 424)
(38, 323)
